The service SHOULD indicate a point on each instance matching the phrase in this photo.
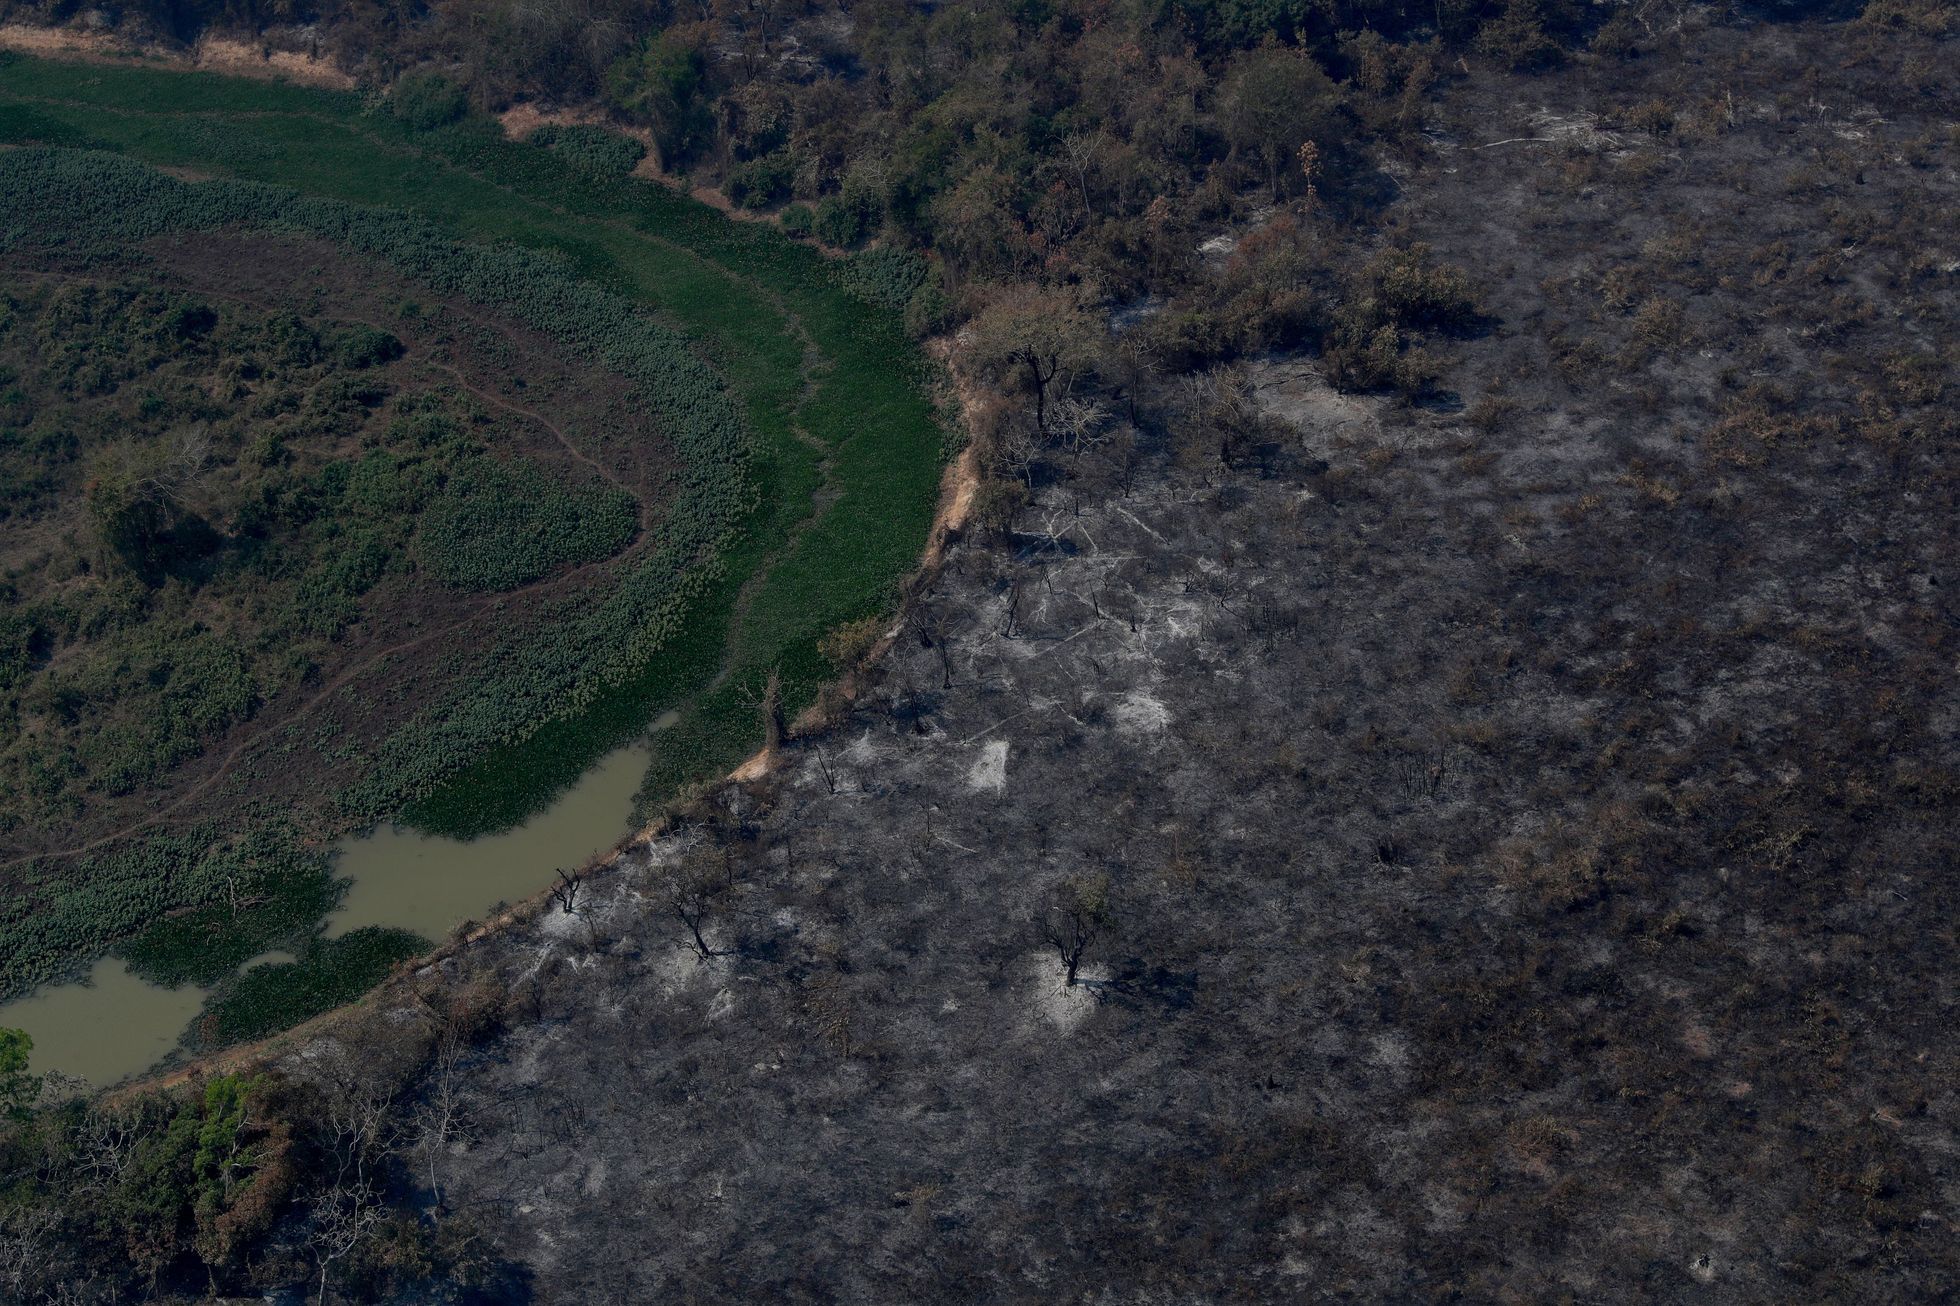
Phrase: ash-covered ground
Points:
(1528, 815)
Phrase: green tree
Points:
(139, 499)
(1037, 340)
(18, 1087)
(662, 83)
(1271, 103)
(426, 101)
(150, 1202)
(239, 1169)
(978, 223)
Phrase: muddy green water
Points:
(104, 1028)
(431, 885)
(112, 1025)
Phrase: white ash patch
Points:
(1062, 1005)
(557, 923)
(988, 773)
(1219, 246)
(1140, 712)
(1580, 130)
(1179, 619)
(863, 750)
(723, 1005)
(667, 849)
(677, 967)
(1391, 1052)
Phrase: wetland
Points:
(372, 486)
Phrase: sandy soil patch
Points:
(521, 120)
(216, 54)
(223, 55)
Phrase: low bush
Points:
(592, 150)
(886, 277)
(266, 999)
(797, 220)
(845, 220)
(1374, 341)
(426, 101)
(761, 182)
(847, 644)
(497, 525)
(366, 346)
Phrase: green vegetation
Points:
(121, 891)
(590, 149)
(278, 896)
(149, 1182)
(232, 526)
(426, 101)
(738, 576)
(18, 1087)
(730, 283)
(498, 525)
(276, 996)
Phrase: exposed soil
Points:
(211, 53)
(520, 120)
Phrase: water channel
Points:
(110, 1024)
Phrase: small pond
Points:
(111, 1025)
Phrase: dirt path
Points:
(348, 676)
(812, 368)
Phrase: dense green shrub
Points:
(846, 219)
(366, 346)
(1406, 286)
(663, 82)
(426, 101)
(497, 525)
(591, 149)
(269, 998)
(1374, 340)
(761, 182)
(22, 642)
(1357, 359)
(797, 219)
(886, 277)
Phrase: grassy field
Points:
(846, 449)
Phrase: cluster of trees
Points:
(246, 1182)
(1059, 140)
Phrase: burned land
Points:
(1427, 774)
(1491, 842)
